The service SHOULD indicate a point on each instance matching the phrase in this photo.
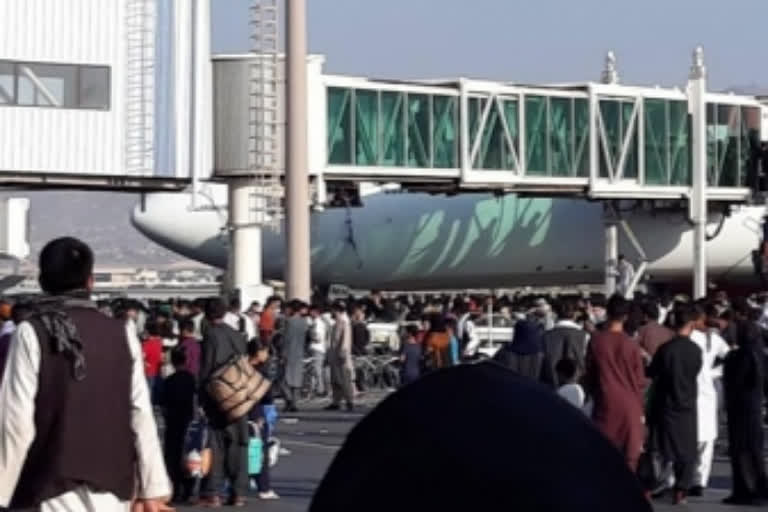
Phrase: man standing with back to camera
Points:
(228, 440)
(75, 418)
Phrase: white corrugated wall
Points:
(61, 140)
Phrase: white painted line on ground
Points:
(308, 444)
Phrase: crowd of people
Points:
(655, 376)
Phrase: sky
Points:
(528, 41)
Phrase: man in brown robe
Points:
(616, 379)
(652, 335)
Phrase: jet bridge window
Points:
(386, 128)
(70, 86)
(7, 85)
(733, 136)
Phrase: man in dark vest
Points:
(75, 419)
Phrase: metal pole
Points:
(697, 90)
(297, 269)
(611, 255)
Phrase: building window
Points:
(7, 83)
(54, 85)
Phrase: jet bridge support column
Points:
(245, 275)
(697, 90)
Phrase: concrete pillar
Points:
(245, 245)
(697, 104)
(297, 270)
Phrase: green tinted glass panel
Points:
(476, 106)
(512, 118)
(610, 110)
(536, 135)
(492, 148)
(560, 137)
(581, 136)
(617, 119)
(729, 124)
(679, 144)
(713, 167)
(750, 143)
(419, 137)
(339, 126)
(366, 127)
(392, 128)
(630, 162)
(656, 142)
(445, 131)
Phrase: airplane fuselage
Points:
(420, 241)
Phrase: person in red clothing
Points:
(268, 319)
(153, 357)
(615, 377)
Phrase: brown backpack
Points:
(236, 387)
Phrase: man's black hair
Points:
(412, 330)
(235, 304)
(178, 357)
(186, 325)
(651, 310)
(66, 265)
(255, 346)
(215, 309)
(21, 312)
(152, 327)
(617, 309)
(565, 309)
(566, 369)
(684, 314)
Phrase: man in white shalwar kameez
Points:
(18, 391)
(713, 347)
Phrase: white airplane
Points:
(405, 241)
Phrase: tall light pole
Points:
(297, 269)
(697, 92)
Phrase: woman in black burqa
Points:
(743, 375)
(478, 437)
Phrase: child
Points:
(258, 354)
(178, 402)
(571, 390)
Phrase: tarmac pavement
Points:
(313, 436)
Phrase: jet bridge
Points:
(598, 140)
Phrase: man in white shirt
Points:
(713, 347)
(40, 467)
(198, 318)
(466, 331)
(626, 275)
(238, 320)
